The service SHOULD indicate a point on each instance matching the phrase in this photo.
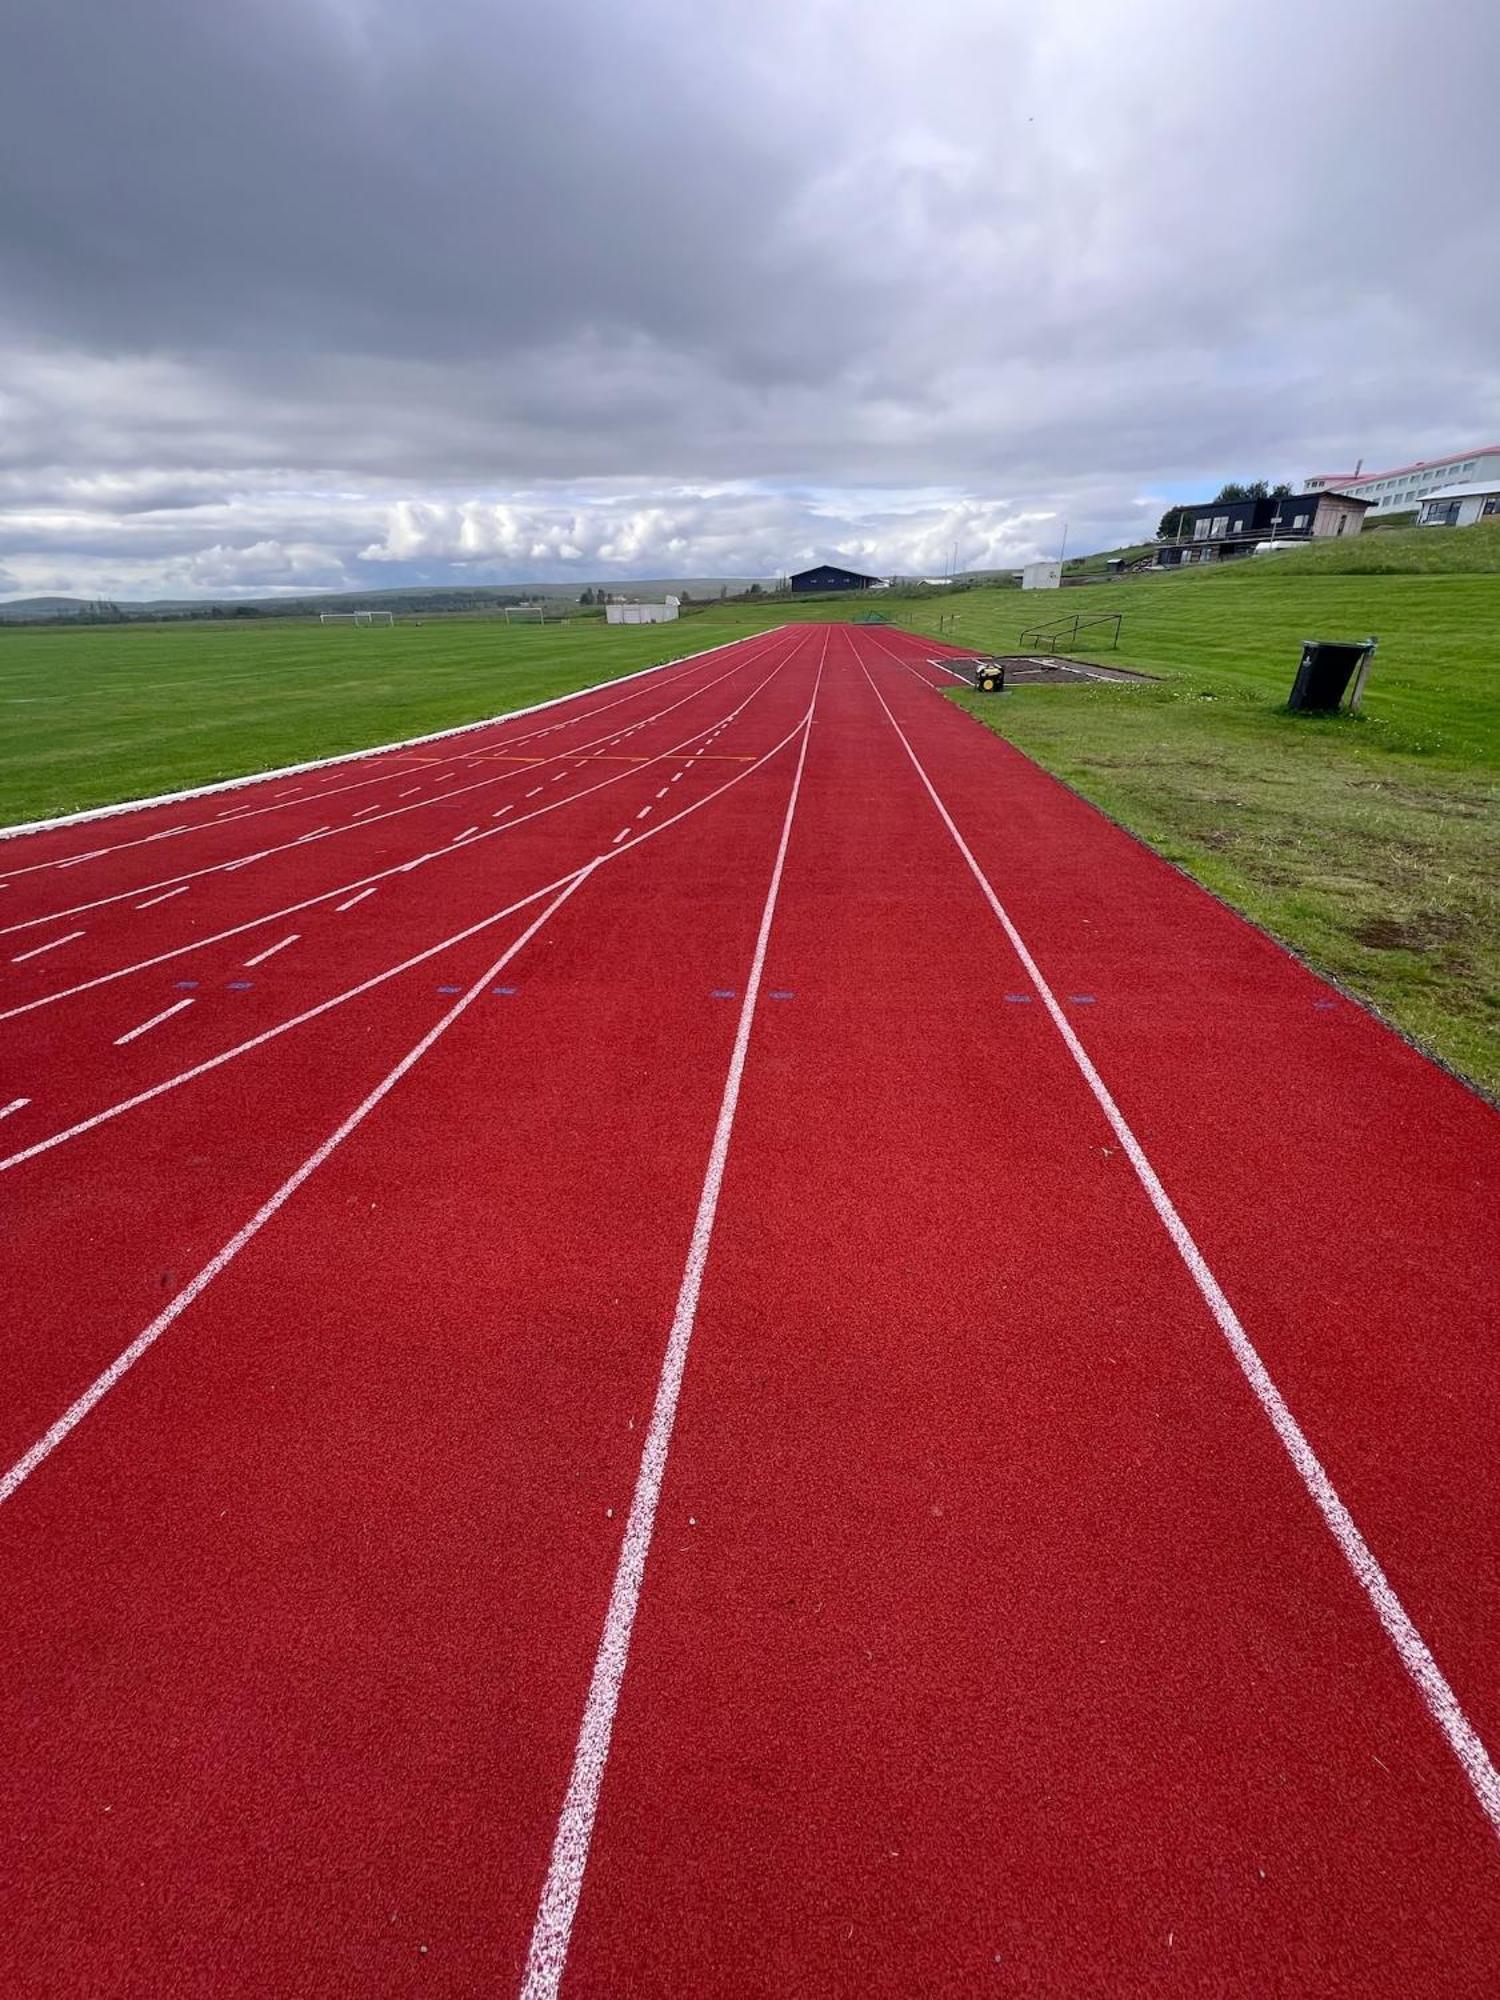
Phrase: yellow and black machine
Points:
(989, 676)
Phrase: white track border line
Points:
(125, 1361)
(1442, 1703)
(548, 1955)
(385, 874)
(393, 810)
(279, 1028)
(355, 756)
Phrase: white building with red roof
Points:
(1407, 486)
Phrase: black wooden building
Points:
(828, 576)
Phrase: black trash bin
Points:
(1325, 670)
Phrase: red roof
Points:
(1417, 465)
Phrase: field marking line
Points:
(16, 1104)
(290, 846)
(155, 1021)
(165, 897)
(271, 950)
(547, 1957)
(343, 888)
(375, 750)
(270, 1034)
(126, 1360)
(51, 945)
(340, 908)
(1441, 1702)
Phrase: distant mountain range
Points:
(38, 610)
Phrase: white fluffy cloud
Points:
(341, 291)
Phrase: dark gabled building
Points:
(828, 576)
(1220, 530)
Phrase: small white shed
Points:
(619, 613)
(1041, 576)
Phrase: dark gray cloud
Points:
(346, 287)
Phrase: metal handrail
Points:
(1038, 635)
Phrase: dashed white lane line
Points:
(313, 833)
(341, 907)
(51, 945)
(166, 897)
(155, 1022)
(677, 777)
(463, 836)
(16, 1104)
(534, 792)
(411, 794)
(644, 812)
(126, 1360)
(244, 861)
(623, 834)
(662, 793)
(502, 812)
(379, 806)
(272, 949)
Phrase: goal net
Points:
(356, 617)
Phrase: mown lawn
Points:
(1372, 845)
(92, 714)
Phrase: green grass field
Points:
(100, 713)
(1370, 845)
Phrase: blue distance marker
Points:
(1082, 999)
(781, 993)
(239, 985)
(450, 989)
(501, 992)
(722, 993)
(184, 985)
(1019, 999)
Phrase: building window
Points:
(1299, 520)
(1221, 524)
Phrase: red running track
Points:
(721, 1345)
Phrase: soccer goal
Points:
(525, 614)
(356, 617)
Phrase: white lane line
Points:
(1442, 1703)
(51, 945)
(165, 897)
(322, 1007)
(339, 908)
(502, 812)
(677, 777)
(155, 1021)
(123, 1362)
(411, 794)
(312, 834)
(464, 835)
(243, 862)
(553, 1927)
(533, 793)
(271, 950)
(644, 812)
(16, 1104)
(378, 806)
(621, 835)
(662, 793)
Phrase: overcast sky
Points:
(349, 293)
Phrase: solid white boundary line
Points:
(354, 756)
(1441, 1701)
(121, 1365)
(553, 1927)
